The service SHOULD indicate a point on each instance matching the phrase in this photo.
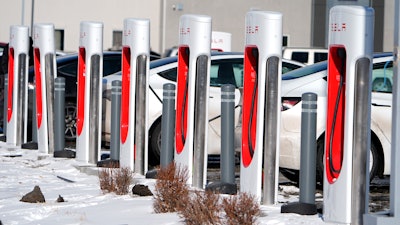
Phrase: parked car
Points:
(226, 68)
(67, 67)
(2, 48)
(313, 78)
(307, 56)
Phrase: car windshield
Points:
(305, 71)
(382, 77)
(163, 61)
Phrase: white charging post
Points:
(261, 104)
(347, 139)
(135, 70)
(45, 73)
(221, 41)
(17, 102)
(192, 96)
(90, 73)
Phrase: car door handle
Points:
(374, 104)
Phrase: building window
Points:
(59, 39)
(117, 40)
(284, 41)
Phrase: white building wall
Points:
(67, 15)
(228, 16)
(388, 38)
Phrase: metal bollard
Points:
(5, 104)
(59, 105)
(306, 204)
(34, 122)
(227, 134)
(167, 125)
(167, 129)
(115, 119)
(227, 184)
(59, 120)
(308, 148)
(5, 97)
(33, 143)
(115, 144)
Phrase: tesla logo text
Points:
(83, 34)
(338, 27)
(184, 31)
(217, 41)
(127, 32)
(36, 36)
(252, 29)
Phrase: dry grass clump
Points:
(171, 190)
(241, 209)
(202, 208)
(115, 180)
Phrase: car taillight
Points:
(289, 102)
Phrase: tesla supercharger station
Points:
(135, 70)
(17, 102)
(192, 96)
(347, 139)
(90, 73)
(261, 104)
(45, 73)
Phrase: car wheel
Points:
(70, 121)
(375, 159)
(320, 162)
(292, 175)
(155, 144)
(382, 85)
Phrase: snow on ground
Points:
(21, 170)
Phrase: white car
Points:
(226, 68)
(313, 79)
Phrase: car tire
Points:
(155, 144)
(376, 159)
(290, 174)
(380, 85)
(70, 121)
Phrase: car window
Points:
(300, 56)
(226, 72)
(111, 65)
(68, 70)
(305, 71)
(287, 67)
(169, 74)
(382, 77)
(320, 56)
(231, 72)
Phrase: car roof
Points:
(73, 56)
(173, 59)
(321, 66)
